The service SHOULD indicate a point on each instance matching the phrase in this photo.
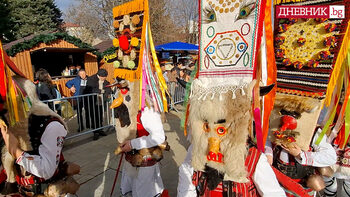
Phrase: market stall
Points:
(54, 52)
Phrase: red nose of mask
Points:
(288, 122)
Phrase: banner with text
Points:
(330, 11)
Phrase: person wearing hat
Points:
(97, 84)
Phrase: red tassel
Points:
(165, 193)
(2, 76)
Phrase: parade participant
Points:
(224, 160)
(220, 128)
(300, 166)
(340, 141)
(145, 181)
(32, 158)
(339, 171)
(309, 79)
(140, 100)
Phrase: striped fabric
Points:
(310, 80)
(240, 189)
(307, 81)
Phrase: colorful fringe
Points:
(16, 100)
(269, 99)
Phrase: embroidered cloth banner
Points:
(230, 32)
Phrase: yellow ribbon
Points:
(347, 110)
(338, 65)
(11, 98)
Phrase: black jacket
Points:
(47, 92)
(92, 87)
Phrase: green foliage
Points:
(6, 25)
(47, 39)
(108, 51)
(33, 17)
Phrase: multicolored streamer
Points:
(269, 99)
(161, 80)
(259, 136)
(2, 74)
(343, 52)
(334, 110)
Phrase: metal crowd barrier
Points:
(177, 93)
(87, 113)
(84, 114)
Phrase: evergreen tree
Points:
(34, 17)
(6, 26)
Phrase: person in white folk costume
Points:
(140, 99)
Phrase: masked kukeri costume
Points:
(141, 98)
(41, 168)
(340, 141)
(309, 56)
(222, 160)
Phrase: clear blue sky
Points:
(63, 5)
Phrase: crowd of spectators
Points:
(78, 86)
(176, 75)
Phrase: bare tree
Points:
(162, 23)
(97, 17)
(94, 15)
(186, 14)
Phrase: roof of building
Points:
(104, 45)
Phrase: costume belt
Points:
(296, 171)
(147, 161)
(28, 181)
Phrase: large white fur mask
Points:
(221, 125)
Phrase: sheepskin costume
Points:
(220, 113)
(20, 129)
(308, 53)
(209, 114)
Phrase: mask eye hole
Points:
(245, 11)
(206, 126)
(221, 131)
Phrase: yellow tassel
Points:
(129, 7)
(12, 94)
(338, 64)
(130, 75)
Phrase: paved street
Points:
(98, 162)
